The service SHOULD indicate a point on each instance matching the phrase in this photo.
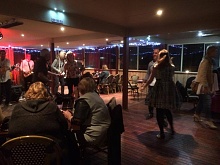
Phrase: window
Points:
(175, 53)
(91, 58)
(192, 55)
(133, 58)
(145, 56)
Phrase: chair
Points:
(120, 82)
(115, 83)
(134, 79)
(108, 84)
(113, 144)
(191, 96)
(32, 150)
(133, 88)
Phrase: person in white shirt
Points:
(27, 66)
(5, 78)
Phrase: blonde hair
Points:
(104, 67)
(37, 90)
(86, 85)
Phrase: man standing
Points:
(5, 79)
(27, 66)
(149, 69)
(58, 68)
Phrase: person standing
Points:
(27, 66)
(164, 94)
(5, 78)
(151, 85)
(72, 72)
(205, 77)
(58, 68)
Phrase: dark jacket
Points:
(103, 76)
(38, 117)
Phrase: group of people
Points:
(63, 66)
(163, 94)
(90, 114)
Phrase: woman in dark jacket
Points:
(39, 116)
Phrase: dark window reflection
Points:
(91, 58)
(78, 54)
(132, 57)
(192, 55)
(145, 56)
(175, 53)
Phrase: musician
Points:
(27, 66)
(5, 78)
(58, 68)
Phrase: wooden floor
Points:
(193, 142)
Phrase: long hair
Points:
(36, 91)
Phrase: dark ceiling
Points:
(91, 21)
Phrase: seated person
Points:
(104, 74)
(90, 113)
(39, 116)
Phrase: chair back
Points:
(189, 82)
(134, 79)
(32, 150)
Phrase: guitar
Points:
(26, 74)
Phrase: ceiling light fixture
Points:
(200, 34)
(159, 12)
(67, 43)
(63, 11)
(55, 8)
(106, 39)
(22, 35)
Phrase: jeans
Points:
(204, 105)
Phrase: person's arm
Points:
(53, 66)
(152, 75)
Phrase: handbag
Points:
(194, 86)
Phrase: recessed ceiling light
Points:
(83, 44)
(159, 12)
(67, 43)
(22, 35)
(200, 34)
(122, 42)
(106, 39)
(55, 8)
(41, 45)
(62, 28)
(58, 46)
(63, 11)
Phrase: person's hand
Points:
(67, 114)
(161, 59)
(142, 88)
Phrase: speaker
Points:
(16, 91)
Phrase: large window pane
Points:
(175, 53)
(133, 58)
(192, 55)
(91, 58)
(145, 56)
(108, 57)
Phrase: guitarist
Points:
(5, 78)
(27, 66)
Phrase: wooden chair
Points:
(108, 85)
(115, 83)
(191, 96)
(134, 79)
(32, 150)
(133, 88)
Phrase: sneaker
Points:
(210, 124)
(149, 116)
(161, 136)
